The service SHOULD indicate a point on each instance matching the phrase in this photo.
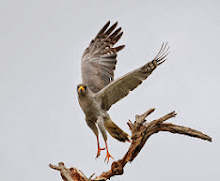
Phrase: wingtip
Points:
(108, 22)
(162, 62)
(103, 29)
(116, 23)
(118, 48)
(162, 54)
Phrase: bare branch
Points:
(141, 131)
(184, 130)
(141, 118)
(72, 174)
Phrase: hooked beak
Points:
(81, 89)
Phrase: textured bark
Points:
(141, 131)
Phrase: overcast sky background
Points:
(41, 43)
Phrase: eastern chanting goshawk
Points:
(99, 91)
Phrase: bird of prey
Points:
(99, 91)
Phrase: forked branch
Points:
(141, 130)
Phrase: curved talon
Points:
(107, 153)
(98, 153)
(108, 156)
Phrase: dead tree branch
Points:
(141, 130)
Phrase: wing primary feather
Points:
(162, 62)
(103, 29)
(161, 50)
(113, 35)
(162, 53)
(165, 50)
(111, 40)
(118, 37)
(108, 32)
(118, 48)
(162, 56)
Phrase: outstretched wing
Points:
(99, 59)
(121, 87)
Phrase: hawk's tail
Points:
(115, 131)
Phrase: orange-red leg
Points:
(107, 153)
(99, 149)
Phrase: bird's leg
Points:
(107, 152)
(99, 149)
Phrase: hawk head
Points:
(82, 89)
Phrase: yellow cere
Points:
(81, 88)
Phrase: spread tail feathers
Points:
(115, 131)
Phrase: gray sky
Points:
(41, 121)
